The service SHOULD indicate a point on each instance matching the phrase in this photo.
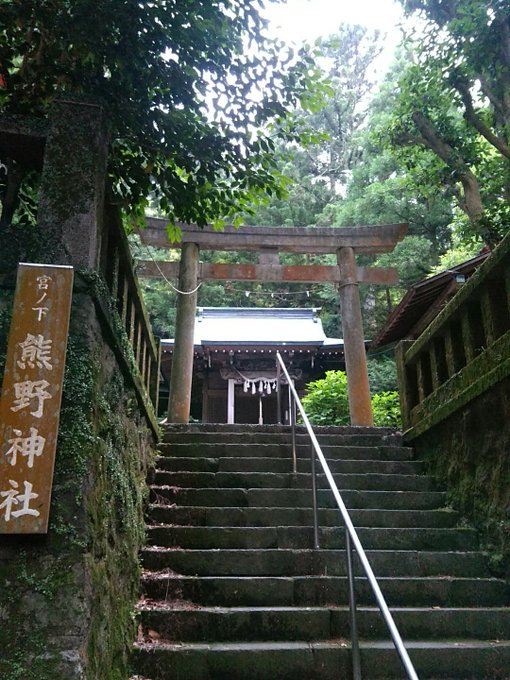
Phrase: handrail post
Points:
(278, 392)
(292, 416)
(316, 544)
(356, 661)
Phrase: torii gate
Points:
(268, 242)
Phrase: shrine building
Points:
(234, 367)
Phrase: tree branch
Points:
(472, 117)
(407, 139)
(472, 201)
(441, 148)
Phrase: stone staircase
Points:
(232, 589)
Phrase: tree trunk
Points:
(471, 203)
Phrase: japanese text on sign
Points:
(31, 396)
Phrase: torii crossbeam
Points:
(345, 242)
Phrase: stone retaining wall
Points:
(66, 598)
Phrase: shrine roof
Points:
(255, 326)
(423, 302)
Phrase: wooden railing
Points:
(117, 268)
(463, 351)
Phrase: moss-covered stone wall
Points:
(66, 599)
(454, 383)
(470, 452)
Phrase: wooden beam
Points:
(308, 273)
(313, 240)
(382, 276)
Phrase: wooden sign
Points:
(31, 396)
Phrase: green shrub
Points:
(382, 374)
(327, 403)
(386, 409)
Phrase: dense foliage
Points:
(454, 100)
(432, 148)
(386, 409)
(382, 374)
(326, 402)
(318, 174)
(195, 94)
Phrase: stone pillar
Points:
(70, 213)
(407, 382)
(182, 362)
(354, 346)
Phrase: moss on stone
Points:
(469, 452)
(479, 376)
(66, 599)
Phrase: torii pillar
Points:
(182, 364)
(360, 403)
(269, 241)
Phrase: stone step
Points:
(298, 498)
(297, 537)
(286, 562)
(272, 480)
(236, 594)
(223, 516)
(271, 449)
(311, 591)
(324, 660)
(189, 623)
(223, 432)
(284, 465)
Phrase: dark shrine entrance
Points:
(269, 242)
(255, 409)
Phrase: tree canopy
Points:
(320, 173)
(454, 99)
(196, 95)
(430, 148)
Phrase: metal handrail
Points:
(352, 540)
